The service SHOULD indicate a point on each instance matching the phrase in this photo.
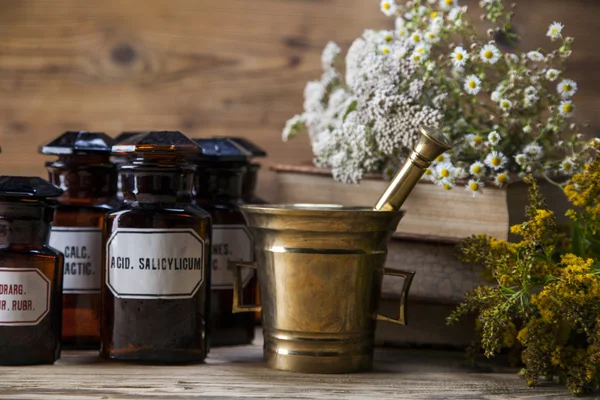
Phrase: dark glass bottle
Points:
(218, 190)
(157, 256)
(121, 159)
(30, 273)
(89, 180)
(250, 178)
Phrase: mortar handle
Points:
(238, 287)
(402, 314)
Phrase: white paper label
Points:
(82, 248)
(230, 243)
(154, 263)
(24, 296)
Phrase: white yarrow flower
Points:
(472, 84)
(552, 74)
(535, 56)
(490, 54)
(495, 160)
(555, 30)
(459, 56)
(418, 58)
(474, 186)
(388, 7)
(566, 108)
(494, 138)
(567, 88)
(530, 90)
(477, 169)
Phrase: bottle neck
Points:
(146, 183)
(84, 178)
(219, 182)
(249, 181)
(25, 223)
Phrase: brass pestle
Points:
(431, 145)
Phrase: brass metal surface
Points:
(431, 145)
(320, 269)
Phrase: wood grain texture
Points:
(206, 67)
(238, 373)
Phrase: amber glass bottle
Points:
(250, 178)
(89, 180)
(249, 181)
(218, 190)
(120, 159)
(30, 273)
(157, 256)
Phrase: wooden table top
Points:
(238, 373)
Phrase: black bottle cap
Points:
(27, 187)
(249, 147)
(158, 142)
(126, 135)
(222, 149)
(79, 142)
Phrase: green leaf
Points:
(577, 240)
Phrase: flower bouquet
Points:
(507, 114)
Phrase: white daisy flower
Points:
(459, 56)
(530, 90)
(422, 10)
(555, 30)
(429, 174)
(442, 158)
(388, 7)
(477, 169)
(501, 179)
(422, 49)
(445, 170)
(490, 54)
(416, 38)
(474, 186)
(386, 36)
(460, 173)
(552, 74)
(533, 151)
(432, 1)
(567, 166)
(454, 13)
(448, 4)
(385, 49)
(530, 100)
(567, 88)
(495, 160)
(535, 56)
(446, 185)
(505, 104)
(512, 58)
(431, 36)
(496, 96)
(418, 58)
(400, 23)
(472, 84)
(494, 138)
(566, 108)
(521, 159)
(437, 22)
(474, 140)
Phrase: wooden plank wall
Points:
(206, 67)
